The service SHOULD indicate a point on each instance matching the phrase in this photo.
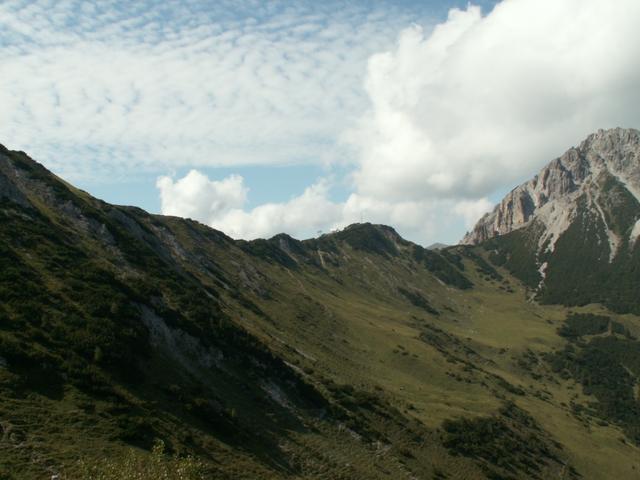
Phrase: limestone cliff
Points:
(551, 196)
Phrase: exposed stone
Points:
(8, 183)
(550, 197)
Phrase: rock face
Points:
(571, 233)
(551, 196)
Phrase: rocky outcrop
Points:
(551, 196)
(8, 182)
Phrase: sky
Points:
(261, 117)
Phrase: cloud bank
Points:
(117, 88)
(477, 104)
(220, 204)
(481, 101)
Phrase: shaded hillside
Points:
(571, 232)
(356, 355)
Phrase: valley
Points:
(355, 355)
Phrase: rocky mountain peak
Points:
(551, 196)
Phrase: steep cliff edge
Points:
(571, 232)
(551, 197)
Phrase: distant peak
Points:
(368, 226)
(552, 194)
(283, 236)
(374, 238)
(624, 135)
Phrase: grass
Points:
(500, 326)
(283, 365)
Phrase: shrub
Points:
(139, 466)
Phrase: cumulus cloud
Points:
(475, 105)
(220, 204)
(472, 210)
(197, 197)
(483, 101)
(430, 126)
(303, 215)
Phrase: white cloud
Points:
(128, 87)
(484, 101)
(197, 197)
(472, 210)
(450, 115)
(302, 216)
(221, 204)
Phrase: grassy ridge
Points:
(338, 357)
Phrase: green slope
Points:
(356, 355)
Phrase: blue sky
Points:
(260, 117)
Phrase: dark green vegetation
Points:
(418, 300)
(516, 251)
(510, 442)
(446, 266)
(607, 366)
(581, 269)
(356, 355)
(382, 240)
(577, 325)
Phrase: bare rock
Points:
(550, 197)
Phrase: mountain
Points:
(134, 344)
(571, 232)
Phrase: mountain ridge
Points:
(615, 152)
(355, 355)
(571, 232)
